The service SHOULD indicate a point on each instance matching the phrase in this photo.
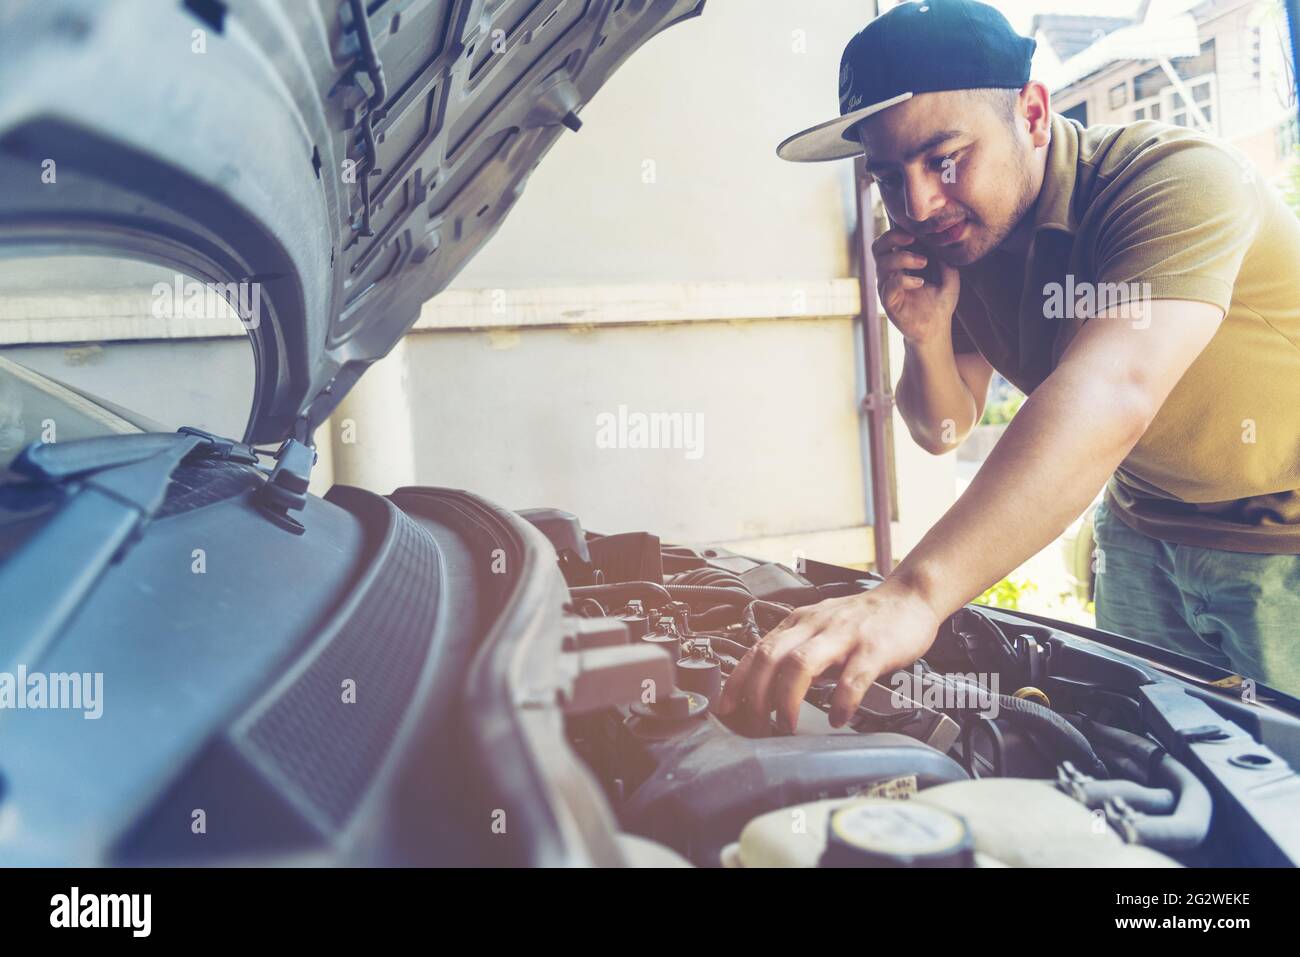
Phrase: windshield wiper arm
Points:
(59, 462)
(120, 483)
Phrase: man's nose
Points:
(923, 197)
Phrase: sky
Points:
(1021, 12)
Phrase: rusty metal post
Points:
(879, 400)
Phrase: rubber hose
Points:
(1062, 732)
(728, 647)
(1189, 824)
(774, 611)
(717, 615)
(649, 592)
(1140, 798)
(707, 576)
(1141, 750)
(1123, 766)
(732, 596)
(1135, 745)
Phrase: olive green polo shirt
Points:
(1161, 212)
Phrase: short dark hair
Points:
(1002, 101)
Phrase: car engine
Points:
(1010, 743)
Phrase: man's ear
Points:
(1035, 109)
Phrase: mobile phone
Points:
(930, 272)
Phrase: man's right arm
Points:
(941, 394)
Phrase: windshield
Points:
(126, 335)
(36, 409)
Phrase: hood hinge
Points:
(368, 63)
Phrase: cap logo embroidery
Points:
(848, 100)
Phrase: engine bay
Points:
(1010, 743)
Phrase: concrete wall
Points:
(705, 104)
(515, 415)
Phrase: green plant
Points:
(1007, 593)
(1291, 181)
(1001, 412)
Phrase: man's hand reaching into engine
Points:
(862, 635)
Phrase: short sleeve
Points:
(1185, 215)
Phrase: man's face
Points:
(951, 170)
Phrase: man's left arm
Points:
(1058, 451)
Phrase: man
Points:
(1141, 285)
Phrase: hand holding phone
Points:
(918, 290)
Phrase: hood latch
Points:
(285, 490)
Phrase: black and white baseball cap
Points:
(918, 47)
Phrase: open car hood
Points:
(332, 163)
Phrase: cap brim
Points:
(826, 141)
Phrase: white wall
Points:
(513, 416)
(706, 101)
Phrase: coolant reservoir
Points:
(1012, 822)
(878, 832)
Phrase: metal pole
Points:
(878, 401)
